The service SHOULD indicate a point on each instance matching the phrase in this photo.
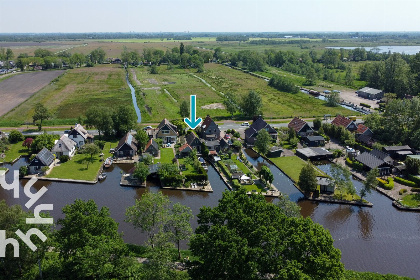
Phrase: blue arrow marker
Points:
(192, 122)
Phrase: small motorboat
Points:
(108, 162)
(102, 176)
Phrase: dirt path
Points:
(135, 77)
(17, 89)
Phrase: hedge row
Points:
(196, 177)
(365, 105)
(415, 179)
(415, 189)
(355, 164)
(388, 185)
(405, 182)
(224, 169)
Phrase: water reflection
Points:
(366, 222)
(338, 216)
(307, 207)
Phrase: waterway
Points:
(384, 49)
(133, 97)
(381, 239)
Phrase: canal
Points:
(381, 239)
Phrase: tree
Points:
(307, 178)
(184, 109)
(413, 165)
(147, 159)
(251, 104)
(348, 80)
(341, 178)
(181, 48)
(266, 174)
(89, 243)
(262, 142)
(41, 113)
(124, 119)
(153, 69)
(13, 218)
(244, 237)
(44, 140)
(150, 214)
(91, 149)
(310, 77)
(141, 171)
(27, 143)
(15, 136)
(317, 123)
(288, 207)
(101, 118)
(142, 139)
(100, 144)
(370, 182)
(179, 224)
(333, 99)
(229, 100)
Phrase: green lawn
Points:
(241, 166)
(166, 155)
(15, 151)
(347, 196)
(77, 168)
(190, 168)
(411, 200)
(250, 188)
(292, 166)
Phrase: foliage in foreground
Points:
(245, 237)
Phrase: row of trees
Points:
(185, 56)
(112, 122)
(6, 55)
(50, 60)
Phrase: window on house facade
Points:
(165, 131)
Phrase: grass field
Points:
(292, 166)
(15, 151)
(155, 102)
(69, 96)
(276, 104)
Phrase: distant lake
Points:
(381, 49)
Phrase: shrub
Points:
(365, 105)
(349, 162)
(196, 177)
(23, 171)
(15, 136)
(236, 184)
(402, 191)
(405, 182)
(415, 189)
(64, 158)
(224, 169)
(387, 185)
(415, 179)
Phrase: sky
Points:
(65, 16)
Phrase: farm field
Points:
(276, 104)
(16, 89)
(160, 95)
(73, 93)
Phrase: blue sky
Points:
(207, 15)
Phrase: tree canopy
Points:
(251, 104)
(262, 142)
(244, 237)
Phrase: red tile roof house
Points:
(345, 122)
(363, 130)
(184, 150)
(300, 127)
(152, 148)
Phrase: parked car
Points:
(147, 127)
(245, 124)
